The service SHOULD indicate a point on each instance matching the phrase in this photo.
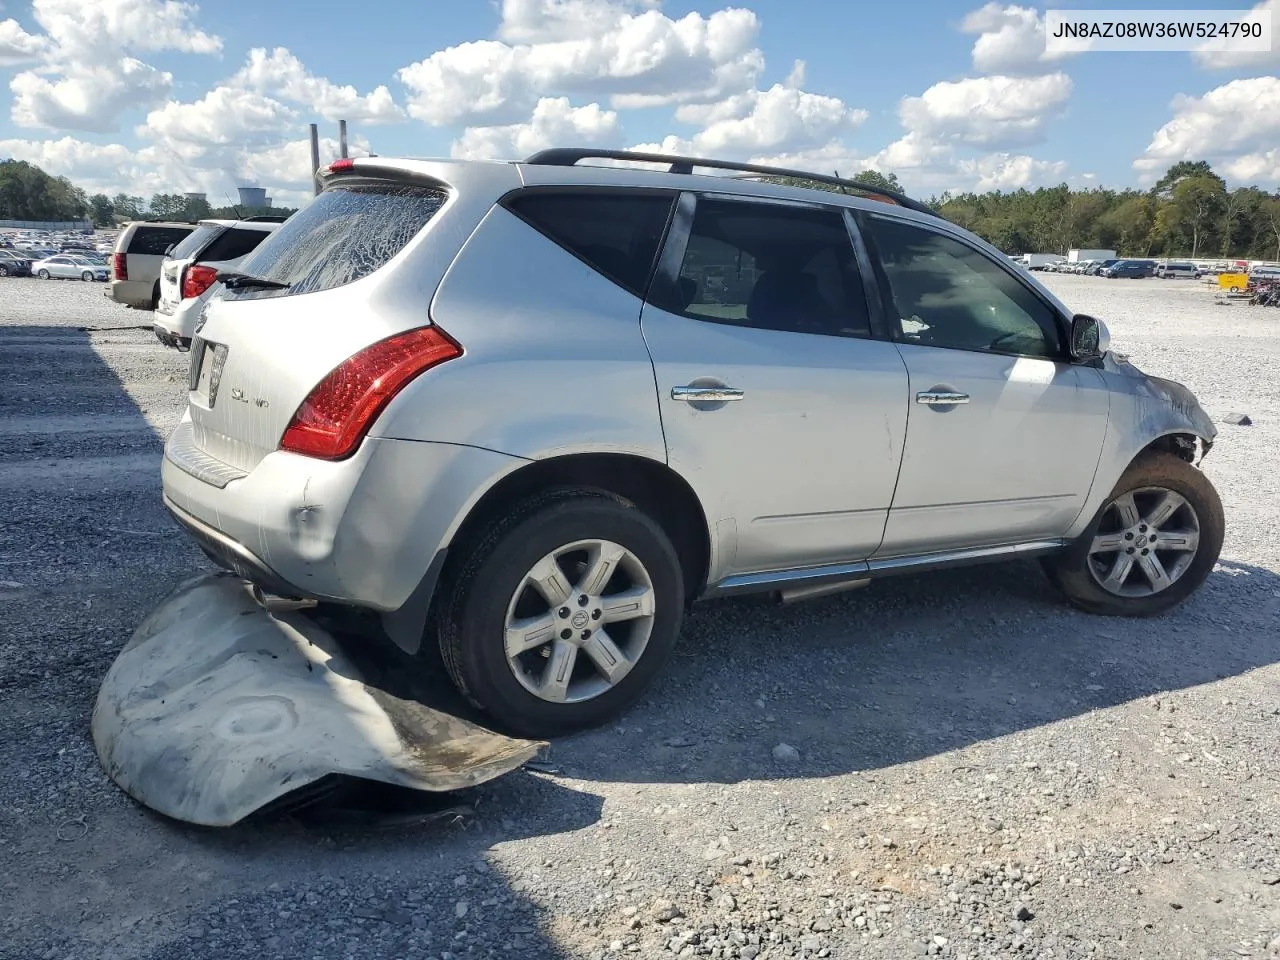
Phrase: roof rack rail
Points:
(569, 156)
(275, 218)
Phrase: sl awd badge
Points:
(238, 394)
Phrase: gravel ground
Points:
(951, 765)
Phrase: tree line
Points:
(170, 206)
(1189, 212)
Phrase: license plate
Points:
(206, 372)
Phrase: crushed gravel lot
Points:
(975, 769)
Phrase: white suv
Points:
(529, 411)
(135, 264)
(190, 272)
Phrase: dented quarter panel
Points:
(1143, 409)
(216, 707)
(362, 530)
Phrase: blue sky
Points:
(160, 96)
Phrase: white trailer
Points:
(1075, 256)
(1038, 261)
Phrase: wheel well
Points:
(652, 486)
(1187, 446)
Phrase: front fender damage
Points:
(217, 706)
(1162, 408)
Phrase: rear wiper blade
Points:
(231, 280)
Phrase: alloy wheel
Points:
(579, 621)
(1147, 540)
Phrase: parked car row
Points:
(172, 267)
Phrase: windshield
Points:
(344, 234)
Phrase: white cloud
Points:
(540, 21)
(1235, 126)
(636, 59)
(89, 165)
(17, 46)
(1005, 171)
(988, 111)
(1011, 40)
(924, 166)
(278, 73)
(87, 74)
(781, 118)
(1221, 60)
(554, 122)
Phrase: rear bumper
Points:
(362, 531)
(232, 555)
(132, 293)
(178, 320)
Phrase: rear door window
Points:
(773, 266)
(344, 234)
(617, 233)
(233, 243)
(156, 241)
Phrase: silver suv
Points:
(531, 411)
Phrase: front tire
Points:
(87, 276)
(558, 616)
(1151, 545)
(43, 274)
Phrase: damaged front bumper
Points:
(218, 706)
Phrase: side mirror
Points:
(1090, 338)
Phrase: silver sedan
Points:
(66, 267)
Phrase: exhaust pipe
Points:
(812, 592)
(277, 604)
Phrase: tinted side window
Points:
(615, 233)
(155, 241)
(233, 243)
(945, 293)
(771, 266)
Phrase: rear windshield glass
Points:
(195, 240)
(344, 234)
(235, 242)
(156, 241)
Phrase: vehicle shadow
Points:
(914, 667)
(87, 551)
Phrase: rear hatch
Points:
(361, 261)
(180, 257)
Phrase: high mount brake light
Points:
(337, 414)
(342, 166)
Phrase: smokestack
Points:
(315, 159)
(342, 138)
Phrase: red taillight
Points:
(118, 267)
(338, 413)
(342, 166)
(196, 279)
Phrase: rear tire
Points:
(1115, 567)
(501, 637)
(155, 297)
(4, 271)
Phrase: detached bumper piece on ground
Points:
(218, 706)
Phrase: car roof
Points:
(535, 172)
(263, 226)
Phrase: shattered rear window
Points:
(346, 233)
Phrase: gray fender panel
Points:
(216, 707)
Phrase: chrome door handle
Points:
(706, 394)
(939, 398)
